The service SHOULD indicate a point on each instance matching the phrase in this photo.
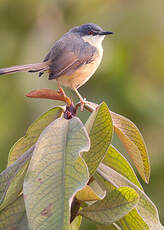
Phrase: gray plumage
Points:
(73, 59)
(67, 56)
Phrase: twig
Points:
(90, 106)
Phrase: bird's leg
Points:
(60, 90)
(62, 93)
(82, 100)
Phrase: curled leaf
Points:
(145, 207)
(134, 144)
(87, 194)
(113, 207)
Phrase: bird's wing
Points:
(68, 55)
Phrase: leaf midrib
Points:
(63, 174)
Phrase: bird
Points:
(72, 60)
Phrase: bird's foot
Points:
(86, 104)
(82, 103)
(61, 91)
(62, 94)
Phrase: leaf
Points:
(133, 143)
(56, 172)
(87, 194)
(75, 225)
(50, 94)
(145, 207)
(113, 207)
(97, 189)
(133, 221)
(100, 129)
(32, 134)
(116, 161)
(24, 223)
(109, 187)
(110, 227)
(132, 218)
(12, 215)
(11, 179)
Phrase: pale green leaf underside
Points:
(134, 144)
(98, 189)
(32, 134)
(100, 129)
(113, 207)
(145, 207)
(56, 172)
(11, 216)
(11, 179)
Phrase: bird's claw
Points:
(61, 91)
(83, 102)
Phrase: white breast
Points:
(97, 42)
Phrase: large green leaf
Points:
(11, 179)
(32, 134)
(134, 144)
(56, 172)
(113, 207)
(116, 161)
(100, 129)
(11, 216)
(145, 207)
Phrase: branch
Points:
(61, 96)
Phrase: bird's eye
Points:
(90, 32)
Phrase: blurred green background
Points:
(130, 79)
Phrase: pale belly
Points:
(80, 76)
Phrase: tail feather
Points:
(26, 68)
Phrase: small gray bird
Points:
(73, 59)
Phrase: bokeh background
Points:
(130, 79)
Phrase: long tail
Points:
(26, 68)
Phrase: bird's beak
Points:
(105, 33)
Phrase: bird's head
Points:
(91, 33)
